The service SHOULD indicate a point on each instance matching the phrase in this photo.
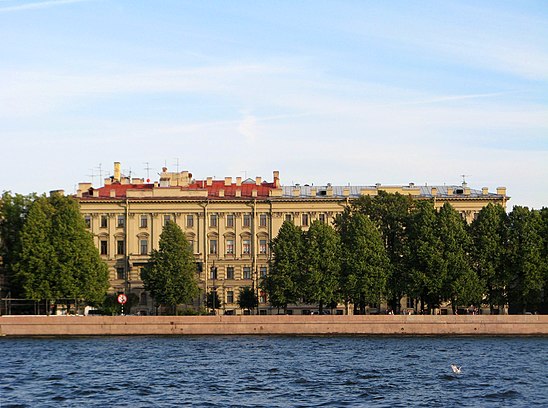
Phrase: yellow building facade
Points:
(229, 224)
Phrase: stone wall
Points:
(300, 325)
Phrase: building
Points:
(229, 223)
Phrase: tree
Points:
(213, 301)
(489, 235)
(390, 213)
(247, 298)
(170, 274)
(460, 284)
(364, 261)
(282, 283)
(58, 259)
(524, 259)
(543, 213)
(13, 213)
(322, 265)
(425, 258)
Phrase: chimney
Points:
(467, 191)
(450, 190)
(346, 191)
(296, 191)
(113, 193)
(238, 181)
(434, 191)
(228, 181)
(276, 178)
(238, 192)
(209, 181)
(484, 191)
(258, 181)
(221, 193)
(117, 173)
(501, 191)
(56, 192)
(313, 192)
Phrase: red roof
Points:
(246, 188)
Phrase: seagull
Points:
(455, 368)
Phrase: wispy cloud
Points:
(38, 5)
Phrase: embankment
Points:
(277, 325)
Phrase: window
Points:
(120, 273)
(191, 244)
(262, 271)
(262, 246)
(212, 246)
(167, 218)
(213, 272)
(230, 272)
(121, 221)
(144, 221)
(104, 247)
(213, 220)
(144, 246)
(230, 296)
(262, 298)
(230, 221)
(262, 220)
(247, 220)
(87, 220)
(143, 300)
(288, 218)
(120, 247)
(104, 221)
(247, 272)
(229, 246)
(190, 221)
(246, 246)
(322, 218)
(305, 220)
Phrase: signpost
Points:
(122, 299)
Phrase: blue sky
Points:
(339, 92)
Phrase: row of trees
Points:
(390, 246)
(47, 252)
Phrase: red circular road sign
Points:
(122, 299)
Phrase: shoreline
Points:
(427, 325)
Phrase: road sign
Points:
(122, 299)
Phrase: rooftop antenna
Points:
(148, 168)
(100, 168)
(177, 164)
(92, 175)
(128, 172)
(245, 174)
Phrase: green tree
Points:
(282, 283)
(364, 262)
(13, 213)
(489, 235)
(543, 213)
(425, 257)
(390, 213)
(322, 265)
(170, 274)
(461, 284)
(58, 259)
(247, 298)
(524, 260)
(213, 301)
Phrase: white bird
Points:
(455, 368)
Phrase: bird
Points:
(456, 369)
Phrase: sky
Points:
(341, 92)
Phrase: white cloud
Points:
(39, 5)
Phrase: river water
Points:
(274, 371)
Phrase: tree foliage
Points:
(364, 262)
(13, 213)
(247, 298)
(282, 283)
(525, 262)
(213, 301)
(58, 259)
(489, 234)
(170, 274)
(320, 280)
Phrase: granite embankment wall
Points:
(279, 324)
